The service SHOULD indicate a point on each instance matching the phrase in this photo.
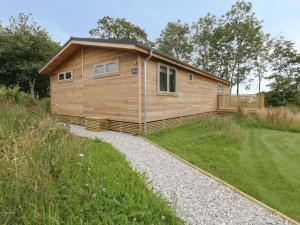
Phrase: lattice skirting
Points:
(95, 124)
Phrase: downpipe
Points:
(145, 90)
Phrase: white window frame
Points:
(188, 77)
(168, 79)
(64, 73)
(220, 88)
(105, 74)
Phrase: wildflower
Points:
(81, 154)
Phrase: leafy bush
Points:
(14, 94)
(17, 96)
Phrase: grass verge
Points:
(49, 176)
(264, 163)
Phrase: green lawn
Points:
(49, 176)
(262, 162)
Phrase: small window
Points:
(163, 78)
(61, 76)
(111, 67)
(167, 79)
(220, 88)
(190, 77)
(64, 76)
(107, 68)
(68, 75)
(99, 69)
(172, 80)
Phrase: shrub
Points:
(14, 94)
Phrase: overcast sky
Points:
(68, 18)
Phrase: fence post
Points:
(261, 100)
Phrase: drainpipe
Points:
(145, 91)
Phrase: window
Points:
(68, 75)
(220, 88)
(163, 78)
(65, 76)
(107, 68)
(167, 79)
(190, 77)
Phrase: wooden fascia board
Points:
(87, 43)
(54, 57)
(132, 47)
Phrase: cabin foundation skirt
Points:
(96, 124)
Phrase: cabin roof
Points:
(75, 43)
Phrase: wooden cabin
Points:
(103, 84)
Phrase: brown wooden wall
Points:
(66, 97)
(112, 97)
(121, 97)
(198, 96)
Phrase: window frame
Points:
(220, 90)
(188, 77)
(107, 74)
(168, 92)
(64, 73)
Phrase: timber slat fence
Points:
(237, 102)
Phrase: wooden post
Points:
(260, 101)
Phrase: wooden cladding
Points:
(96, 124)
(117, 102)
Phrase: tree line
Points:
(233, 46)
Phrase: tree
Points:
(174, 40)
(285, 62)
(212, 46)
(243, 30)
(119, 28)
(228, 46)
(262, 58)
(202, 40)
(24, 48)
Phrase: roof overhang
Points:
(74, 44)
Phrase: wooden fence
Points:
(237, 102)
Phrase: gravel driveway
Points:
(197, 198)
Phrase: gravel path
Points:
(197, 198)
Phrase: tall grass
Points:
(278, 118)
(49, 176)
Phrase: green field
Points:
(48, 176)
(264, 163)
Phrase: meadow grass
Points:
(264, 163)
(49, 176)
(278, 118)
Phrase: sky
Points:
(64, 19)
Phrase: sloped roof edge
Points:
(132, 43)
